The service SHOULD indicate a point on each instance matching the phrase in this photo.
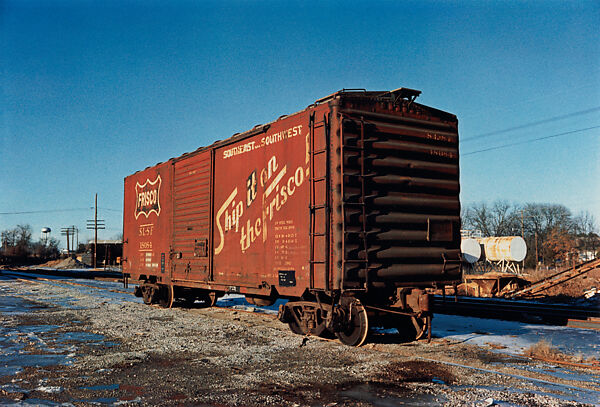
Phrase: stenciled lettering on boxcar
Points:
(278, 185)
(264, 141)
(148, 197)
(440, 137)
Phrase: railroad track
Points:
(490, 308)
(33, 278)
(525, 311)
(70, 273)
(462, 301)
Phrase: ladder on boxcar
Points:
(361, 204)
(319, 181)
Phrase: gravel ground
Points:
(223, 357)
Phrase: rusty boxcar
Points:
(349, 209)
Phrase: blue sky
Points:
(92, 91)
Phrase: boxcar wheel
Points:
(411, 328)
(420, 325)
(166, 296)
(354, 332)
(261, 301)
(209, 299)
(148, 294)
(298, 325)
(295, 328)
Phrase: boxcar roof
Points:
(388, 96)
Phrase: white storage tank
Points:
(470, 249)
(505, 248)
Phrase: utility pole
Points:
(536, 252)
(69, 232)
(95, 229)
(523, 235)
(95, 224)
(73, 228)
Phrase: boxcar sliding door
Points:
(191, 217)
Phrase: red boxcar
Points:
(348, 208)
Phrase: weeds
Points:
(545, 351)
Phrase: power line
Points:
(529, 141)
(536, 123)
(521, 102)
(109, 209)
(46, 211)
(57, 210)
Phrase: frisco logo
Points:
(147, 197)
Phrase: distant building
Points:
(108, 252)
(587, 255)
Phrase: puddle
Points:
(13, 388)
(37, 345)
(102, 387)
(40, 346)
(14, 340)
(100, 400)
(36, 329)
(79, 337)
(31, 402)
(12, 305)
(376, 397)
(113, 401)
(13, 365)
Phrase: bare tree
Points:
(477, 216)
(499, 219)
(504, 219)
(9, 240)
(586, 231)
(46, 249)
(17, 242)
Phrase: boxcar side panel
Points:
(261, 214)
(147, 222)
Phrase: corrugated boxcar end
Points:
(348, 208)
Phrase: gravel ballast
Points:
(146, 355)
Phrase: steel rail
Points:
(490, 308)
(17, 275)
(513, 310)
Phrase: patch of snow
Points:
(515, 337)
(122, 402)
(238, 301)
(49, 389)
